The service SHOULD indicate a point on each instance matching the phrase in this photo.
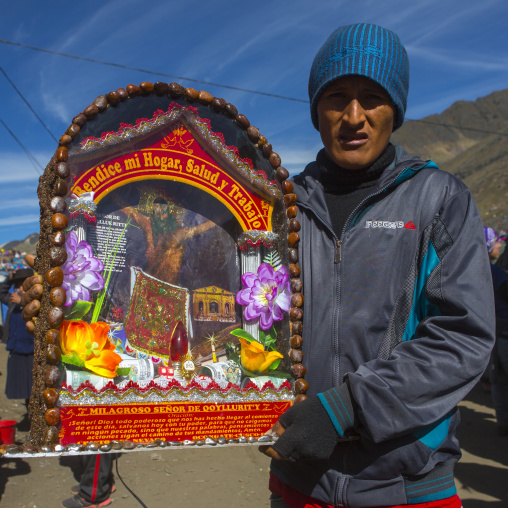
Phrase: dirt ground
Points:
(218, 478)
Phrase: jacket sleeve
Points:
(428, 373)
(4, 291)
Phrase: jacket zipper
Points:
(337, 257)
(337, 261)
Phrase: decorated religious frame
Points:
(172, 305)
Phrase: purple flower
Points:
(82, 271)
(265, 295)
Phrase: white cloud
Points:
(20, 219)
(17, 167)
(19, 203)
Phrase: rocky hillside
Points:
(470, 140)
(27, 245)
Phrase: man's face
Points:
(356, 119)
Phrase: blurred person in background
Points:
(19, 342)
(499, 366)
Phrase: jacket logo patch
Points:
(389, 224)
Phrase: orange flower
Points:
(90, 342)
(254, 358)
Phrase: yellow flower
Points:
(254, 358)
(90, 342)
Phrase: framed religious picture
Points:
(172, 304)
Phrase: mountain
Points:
(27, 245)
(469, 140)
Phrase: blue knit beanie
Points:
(365, 50)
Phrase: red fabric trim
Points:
(95, 477)
(295, 499)
(174, 384)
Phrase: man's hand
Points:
(31, 298)
(276, 431)
(305, 432)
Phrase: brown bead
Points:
(297, 299)
(51, 435)
(231, 110)
(62, 154)
(122, 92)
(296, 355)
(282, 173)
(101, 102)
(253, 133)
(262, 141)
(293, 239)
(73, 130)
(59, 221)
(52, 375)
(301, 386)
(300, 398)
(296, 314)
(91, 111)
(50, 396)
(160, 88)
(296, 285)
(52, 337)
(146, 88)
(242, 121)
(290, 200)
(293, 255)
(298, 370)
(62, 169)
(291, 212)
(219, 104)
(79, 119)
(296, 327)
(65, 140)
(191, 94)
(274, 159)
(58, 256)
(205, 97)
(293, 225)
(133, 90)
(57, 205)
(267, 149)
(296, 342)
(60, 187)
(113, 98)
(55, 317)
(57, 296)
(176, 90)
(59, 238)
(55, 277)
(287, 186)
(52, 416)
(294, 270)
(53, 355)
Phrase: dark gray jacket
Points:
(399, 319)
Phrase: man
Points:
(399, 313)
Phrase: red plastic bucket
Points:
(7, 431)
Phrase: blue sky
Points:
(458, 50)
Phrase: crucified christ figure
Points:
(165, 241)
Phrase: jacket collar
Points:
(310, 192)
